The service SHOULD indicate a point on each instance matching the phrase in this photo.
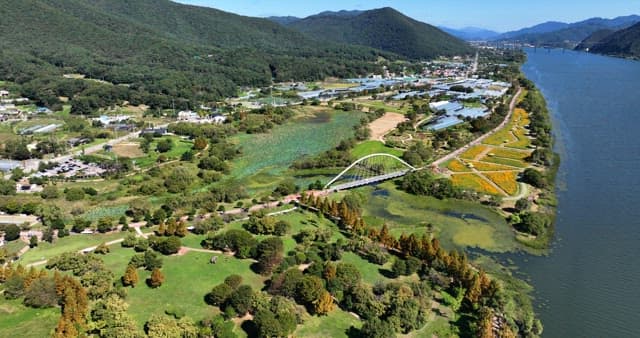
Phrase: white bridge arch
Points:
(373, 169)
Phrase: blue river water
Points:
(589, 285)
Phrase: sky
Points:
(498, 15)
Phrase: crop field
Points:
(474, 151)
(475, 182)
(373, 147)
(457, 166)
(506, 180)
(276, 150)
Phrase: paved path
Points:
(479, 140)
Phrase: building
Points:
(8, 165)
(188, 115)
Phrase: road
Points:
(32, 165)
(479, 140)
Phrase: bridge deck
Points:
(370, 180)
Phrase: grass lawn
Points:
(510, 153)
(505, 161)
(17, 320)
(475, 182)
(46, 250)
(370, 272)
(457, 224)
(373, 147)
(187, 279)
(334, 325)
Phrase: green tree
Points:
(109, 319)
(41, 293)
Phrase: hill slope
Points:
(568, 35)
(593, 39)
(160, 49)
(624, 43)
(385, 29)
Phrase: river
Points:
(589, 285)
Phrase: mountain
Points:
(159, 49)
(471, 33)
(283, 20)
(623, 43)
(593, 39)
(385, 29)
(546, 27)
(559, 34)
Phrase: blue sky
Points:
(500, 15)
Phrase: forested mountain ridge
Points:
(593, 39)
(161, 50)
(559, 34)
(385, 29)
(623, 43)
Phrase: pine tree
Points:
(171, 227)
(156, 279)
(130, 277)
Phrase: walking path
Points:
(479, 140)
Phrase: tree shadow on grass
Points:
(249, 326)
(387, 273)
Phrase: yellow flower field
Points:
(474, 182)
(485, 166)
(456, 165)
(506, 180)
(473, 152)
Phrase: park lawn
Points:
(506, 180)
(485, 166)
(17, 320)
(510, 153)
(14, 246)
(180, 146)
(474, 182)
(375, 105)
(473, 152)
(438, 327)
(373, 147)
(370, 272)
(188, 279)
(334, 325)
(114, 212)
(447, 220)
(524, 142)
(457, 166)
(505, 161)
(70, 243)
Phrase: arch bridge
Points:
(370, 169)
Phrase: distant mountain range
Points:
(560, 34)
(471, 33)
(385, 29)
(622, 43)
